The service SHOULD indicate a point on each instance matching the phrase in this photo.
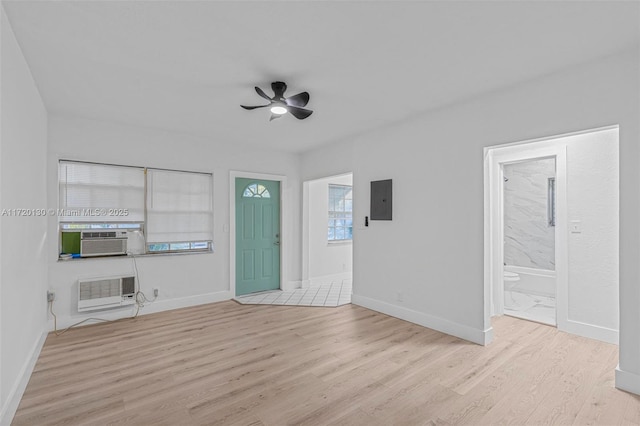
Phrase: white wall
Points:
(431, 254)
(328, 262)
(23, 255)
(529, 240)
(593, 199)
(329, 160)
(182, 280)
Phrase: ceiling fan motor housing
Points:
(282, 105)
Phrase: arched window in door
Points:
(256, 190)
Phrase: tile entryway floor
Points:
(329, 295)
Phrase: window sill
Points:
(128, 256)
(339, 243)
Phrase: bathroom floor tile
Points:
(530, 307)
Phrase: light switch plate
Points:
(575, 226)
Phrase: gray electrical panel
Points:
(381, 205)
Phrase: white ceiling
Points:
(187, 66)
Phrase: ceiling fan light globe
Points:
(279, 110)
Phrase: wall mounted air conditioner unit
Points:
(103, 243)
(106, 293)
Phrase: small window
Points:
(256, 190)
(340, 213)
(179, 247)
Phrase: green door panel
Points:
(257, 235)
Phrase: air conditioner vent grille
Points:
(103, 234)
(99, 289)
(98, 247)
(105, 293)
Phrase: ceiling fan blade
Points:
(253, 107)
(278, 89)
(261, 93)
(299, 113)
(299, 100)
(274, 116)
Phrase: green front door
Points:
(257, 235)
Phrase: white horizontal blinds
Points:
(179, 206)
(91, 192)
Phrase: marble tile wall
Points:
(529, 240)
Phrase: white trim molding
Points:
(291, 285)
(481, 337)
(627, 381)
(591, 331)
(149, 308)
(8, 411)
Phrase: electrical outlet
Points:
(155, 292)
(51, 296)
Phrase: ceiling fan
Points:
(281, 105)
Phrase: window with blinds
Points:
(179, 210)
(92, 192)
(175, 216)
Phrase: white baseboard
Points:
(603, 334)
(481, 337)
(627, 381)
(328, 279)
(149, 308)
(17, 390)
(291, 285)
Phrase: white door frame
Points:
(494, 157)
(285, 228)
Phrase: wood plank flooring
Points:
(233, 364)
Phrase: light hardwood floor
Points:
(227, 363)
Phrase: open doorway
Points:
(328, 234)
(581, 212)
(529, 220)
